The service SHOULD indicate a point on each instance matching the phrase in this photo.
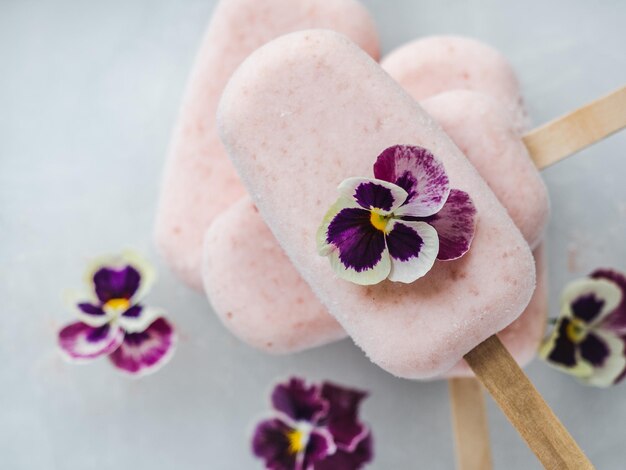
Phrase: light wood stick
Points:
(568, 134)
(469, 421)
(525, 408)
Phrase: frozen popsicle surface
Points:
(199, 181)
(256, 291)
(311, 109)
(481, 126)
(259, 295)
(434, 64)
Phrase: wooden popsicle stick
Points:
(574, 131)
(525, 408)
(469, 421)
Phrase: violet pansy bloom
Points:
(589, 337)
(114, 322)
(315, 427)
(395, 225)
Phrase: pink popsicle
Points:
(199, 181)
(512, 176)
(278, 313)
(294, 143)
(457, 63)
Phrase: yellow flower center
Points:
(297, 440)
(576, 330)
(379, 221)
(117, 305)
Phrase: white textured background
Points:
(88, 94)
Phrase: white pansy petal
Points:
(375, 274)
(371, 193)
(590, 299)
(324, 248)
(614, 364)
(413, 248)
(138, 318)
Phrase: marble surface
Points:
(88, 94)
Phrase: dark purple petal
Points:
(90, 309)
(343, 460)
(342, 419)
(616, 320)
(133, 312)
(455, 224)
(299, 402)
(359, 243)
(320, 445)
(564, 351)
(587, 307)
(594, 350)
(371, 195)
(144, 352)
(270, 442)
(404, 242)
(419, 173)
(81, 342)
(112, 283)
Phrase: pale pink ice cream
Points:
(478, 125)
(259, 295)
(457, 63)
(199, 180)
(311, 109)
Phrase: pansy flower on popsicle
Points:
(395, 225)
(314, 427)
(114, 322)
(589, 337)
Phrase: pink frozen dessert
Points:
(277, 312)
(199, 181)
(310, 109)
(457, 63)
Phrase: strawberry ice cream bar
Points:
(310, 110)
(510, 172)
(295, 319)
(199, 180)
(434, 64)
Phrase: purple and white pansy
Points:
(314, 427)
(395, 225)
(589, 337)
(114, 322)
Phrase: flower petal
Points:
(614, 362)
(559, 351)
(91, 315)
(137, 318)
(343, 415)
(319, 447)
(419, 173)
(413, 248)
(594, 350)
(455, 224)
(270, 443)
(356, 249)
(354, 460)
(299, 402)
(615, 321)
(590, 300)
(80, 342)
(372, 193)
(126, 276)
(145, 352)
(324, 247)
(116, 283)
